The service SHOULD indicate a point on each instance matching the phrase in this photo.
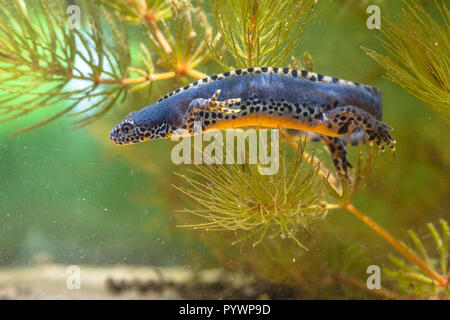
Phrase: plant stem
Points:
(395, 243)
(323, 171)
(385, 293)
(252, 34)
(159, 35)
(369, 222)
(196, 74)
(149, 16)
(128, 81)
(327, 206)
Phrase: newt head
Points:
(135, 128)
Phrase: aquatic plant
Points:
(411, 279)
(418, 54)
(45, 64)
(278, 216)
(240, 198)
(224, 214)
(261, 33)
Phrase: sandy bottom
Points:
(53, 281)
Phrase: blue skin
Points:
(171, 112)
(265, 86)
(342, 106)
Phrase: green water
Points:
(71, 197)
(62, 198)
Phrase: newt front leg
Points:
(198, 106)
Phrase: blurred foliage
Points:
(174, 42)
(412, 280)
(38, 55)
(359, 7)
(418, 59)
(137, 11)
(39, 63)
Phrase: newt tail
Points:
(332, 108)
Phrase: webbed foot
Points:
(344, 120)
(212, 104)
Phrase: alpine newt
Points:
(332, 108)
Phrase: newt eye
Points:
(126, 127)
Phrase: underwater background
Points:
(72, 197)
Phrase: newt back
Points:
(262, 97)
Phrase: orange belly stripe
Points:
(270, 122)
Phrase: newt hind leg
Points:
(338, 154)
(352, 123)
(344, 120)
(336, 146)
